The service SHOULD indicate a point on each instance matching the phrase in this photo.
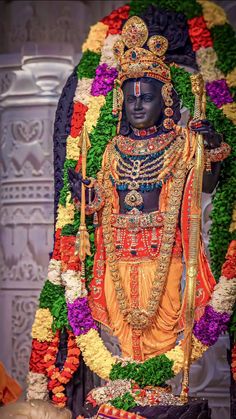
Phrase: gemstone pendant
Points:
(134, 199)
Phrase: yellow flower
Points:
(176, 354)
(65, 214)
(231, 78)
(95, 354)
(230, 111)
(72, 148)
(42, 326)
(198, 349)
(92, 115)
(96, 38)
(213, 14)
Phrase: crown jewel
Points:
(135, 61)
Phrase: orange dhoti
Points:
(137, 278)
(137, 250)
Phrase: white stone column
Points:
(30, 89)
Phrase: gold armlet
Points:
(216, 155)
(97, 203)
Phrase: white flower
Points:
(206, 59)
(82, 92)
(223, 296)
(54, 271)
(37, 386)
(74, 288)
(107, 51)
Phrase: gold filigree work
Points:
(137, 61)
(141, 319)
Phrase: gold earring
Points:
(118, 99)
(166, 92)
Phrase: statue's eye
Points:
(147, 98)
(130, 99)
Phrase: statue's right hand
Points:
(75, 180)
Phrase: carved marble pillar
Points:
(30, 88)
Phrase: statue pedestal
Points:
(194, 409)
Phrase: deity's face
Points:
(143, 103)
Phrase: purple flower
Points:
(210, 326)
(104, 80)
(219, 92)
(80, 317)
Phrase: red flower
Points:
(115, 19)
(199, 34)
(229, 267)
(73, 263)
(56, 251)
(67, 248)
(91, 400)
(58, 378)
(233, 364)
(39, 349)
(78, 118)
(60, 401)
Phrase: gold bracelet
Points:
(216, 155)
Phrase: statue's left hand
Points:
(212, 139)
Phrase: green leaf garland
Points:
(49, 294)
(53, 297)
(224, 40)
(153, 372)
(59, 313)
(189, 7)
(66, 184)
(104, 131)
(88, 64)
(124, 402)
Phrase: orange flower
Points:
(58, 389)
(58, 379)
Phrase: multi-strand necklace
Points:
(144, 165)
(141, 318)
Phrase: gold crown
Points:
(136, 61)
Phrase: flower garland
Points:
(214, 43)
(39, 350)
(59, 378)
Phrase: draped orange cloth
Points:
(10, 390)
(137, 275)
(162, 335)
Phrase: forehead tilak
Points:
(137, 88)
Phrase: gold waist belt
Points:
(137, 219)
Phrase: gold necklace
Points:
(149, 171)
(140, 319)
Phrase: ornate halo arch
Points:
(63, 300)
